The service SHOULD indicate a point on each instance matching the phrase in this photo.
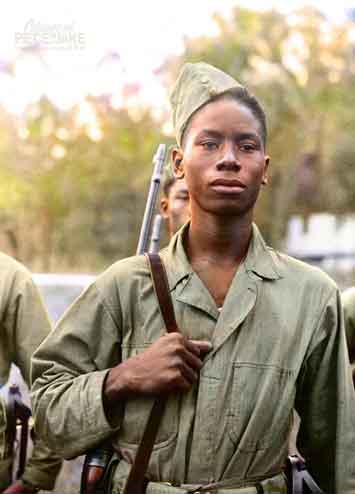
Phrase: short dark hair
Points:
(241, 95)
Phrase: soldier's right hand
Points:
(171, 363)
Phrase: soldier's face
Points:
(175, 208)
(223, 160)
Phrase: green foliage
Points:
(76, 186)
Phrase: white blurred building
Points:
(325, 240)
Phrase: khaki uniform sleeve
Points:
(25, 320)
(69, 370)
(325, 402)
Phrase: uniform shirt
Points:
(278, 343)
(348, 299)
(24, 322)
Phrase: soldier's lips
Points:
(227, 186)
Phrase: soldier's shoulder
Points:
(11, 268)
(302, 272)
(124, 271)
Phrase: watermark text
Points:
(50, 36)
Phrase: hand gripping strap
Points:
(136, 481)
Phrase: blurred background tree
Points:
(73, 183)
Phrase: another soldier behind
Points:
(262, 332)
(174, 204)
(348, 300)
(24, 324)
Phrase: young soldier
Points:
(262, 333)
(24, 324)
(174, 204)
(348, 299)
(174, 208)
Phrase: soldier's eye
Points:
(247, 147)
(209, 145)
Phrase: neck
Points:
(222, 238)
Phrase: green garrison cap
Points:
(197, 84)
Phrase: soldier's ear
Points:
(265, 179)
(164, 207)
(177, 157)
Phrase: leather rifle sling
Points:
(136, 481)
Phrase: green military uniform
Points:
(23, 326)
(278, 344)
(348, 300)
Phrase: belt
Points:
(273, 485)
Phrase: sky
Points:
(97, 47)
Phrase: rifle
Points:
(98, 465)
(158, 160)
(18, 415)
(155, 237)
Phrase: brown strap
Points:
(161, 287)
(136, 481)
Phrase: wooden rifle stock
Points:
(95, 465)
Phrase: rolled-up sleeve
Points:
(68, 374)
(325, 402)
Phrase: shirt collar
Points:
(175, 256)
(260, 260)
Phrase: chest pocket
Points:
(137, 411)
(261, 403)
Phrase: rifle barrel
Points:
(155, 237)
(158, 160)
